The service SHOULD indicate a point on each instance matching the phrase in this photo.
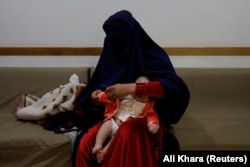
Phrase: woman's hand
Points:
(120, 90)
(95, 97)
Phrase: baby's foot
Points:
(153, 128)
(99, 156)
(96, 148)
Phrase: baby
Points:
(120, 110)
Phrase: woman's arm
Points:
(120, 90)
(149, 89)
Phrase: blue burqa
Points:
(128, 53)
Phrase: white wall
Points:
(78, 61)
(78, 23)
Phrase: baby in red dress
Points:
(120, 110)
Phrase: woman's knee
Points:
(87, 141)
(83, 147)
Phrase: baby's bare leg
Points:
(102, 135)
(99, 155)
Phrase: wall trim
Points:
(96, 51)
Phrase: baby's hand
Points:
(153, 128)
(95, 96)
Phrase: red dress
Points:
(132, 146)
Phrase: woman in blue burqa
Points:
(128, 53)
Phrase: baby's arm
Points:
(153, 121)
